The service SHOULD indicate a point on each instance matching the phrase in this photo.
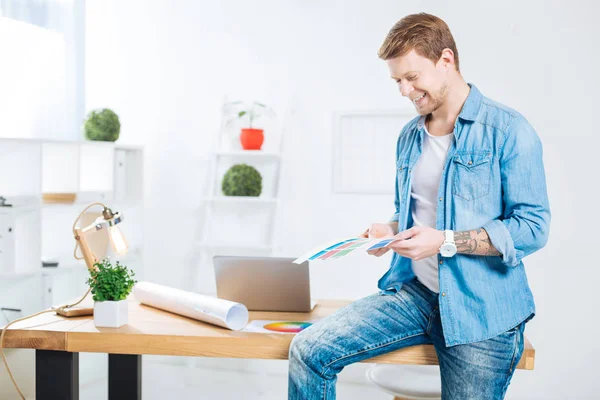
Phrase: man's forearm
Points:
(394, 226)
(476, 242)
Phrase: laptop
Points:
(264, 283)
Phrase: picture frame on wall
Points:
(364, 150)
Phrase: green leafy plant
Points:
(111, 283)
(247, 111)
(242, 180)
(102, 125)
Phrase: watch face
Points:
(448, 250)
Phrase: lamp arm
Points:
(86, 251)
(84, 210)
(89, 228)
(81, 243)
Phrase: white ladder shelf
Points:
(269, 160)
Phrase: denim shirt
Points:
(493, 179)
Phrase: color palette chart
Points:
(343, 248)
(287, 327)
(269, 326)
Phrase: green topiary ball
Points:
(242, 180)
(102, 125)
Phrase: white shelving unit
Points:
(239, 225)
(32, 229)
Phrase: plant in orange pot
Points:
(251, 138)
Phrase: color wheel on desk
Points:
(287, 327)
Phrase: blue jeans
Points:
(389, 321)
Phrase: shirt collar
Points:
(469, 110)
(472, 104)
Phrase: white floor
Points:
(175, 378)
(225, 379)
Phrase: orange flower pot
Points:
(252, 139)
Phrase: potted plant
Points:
(102, 125)
(242, 180)
(251, 138)
(110, 287)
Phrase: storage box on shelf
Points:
(19, 240)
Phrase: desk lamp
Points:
(108, 222)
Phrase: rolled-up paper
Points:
(225, 313)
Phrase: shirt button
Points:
(470, 162)
(444, 294)
(441, 262)
(441, 198)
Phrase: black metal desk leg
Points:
(56, 375)
(124, 377)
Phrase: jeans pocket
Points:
(519, 344)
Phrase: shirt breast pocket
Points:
(472, 174)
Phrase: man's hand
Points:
(378, 230)
(418, 242)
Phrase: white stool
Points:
(414, 382)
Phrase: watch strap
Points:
(449, 236)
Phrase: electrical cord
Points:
(53, 309)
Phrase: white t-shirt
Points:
(424, 194)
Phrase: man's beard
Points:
(435, 101)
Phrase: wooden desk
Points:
(58, 341)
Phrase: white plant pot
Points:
(110, 314)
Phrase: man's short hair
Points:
(427, 34)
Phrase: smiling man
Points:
(470, 204)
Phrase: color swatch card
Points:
(268, 326)
(342, 248)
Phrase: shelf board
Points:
(241, 199)
(132, 255)
(20, 208)
(63, 269)
(97, 143)
(16, 275)
(247, 153)
(225, 245)
(83, 198)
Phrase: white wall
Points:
(32, 78)
(41, 74)
(164, 67)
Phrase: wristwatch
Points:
(448, 248)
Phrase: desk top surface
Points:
(154, 331)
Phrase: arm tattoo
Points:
(476, 242)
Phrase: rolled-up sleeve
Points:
(524, 226)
